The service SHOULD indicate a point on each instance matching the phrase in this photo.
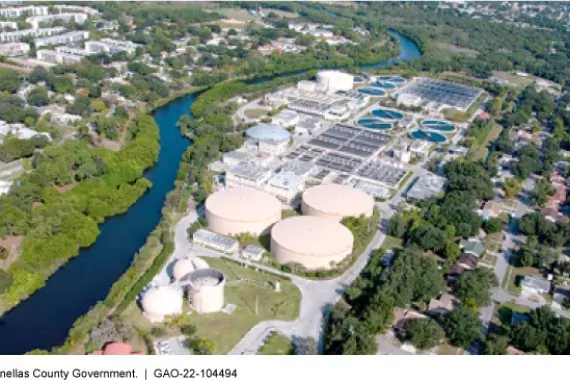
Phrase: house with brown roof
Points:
(491, 209)
(116, 348)
(442, 305)
(552, 214)
(401, 316)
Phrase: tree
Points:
(306, 346)
(424, 333)
(462, 326)
(512, 187)
(542, 191)
(493, 225)
(200, 346)
(38, 97)
(378, 314)
(476, 285)
(9, 81)
(452, 251)
(397, 226)
(495, 345)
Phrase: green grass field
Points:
(277, 345)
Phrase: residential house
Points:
(561, 295)
(442, 305)
(533, 285)
(402, 316)
(491, 210)
(472, 247)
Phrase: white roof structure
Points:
(242, 204)
(185, 266)
(535, 283)
(336, 201)
(160, 302)
(426, 186)
(286, 181)
(312, 235)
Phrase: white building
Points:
(35, 21)
(19, 130)
(337, 112)
(252, 253)
(19, 34)
(13, 49)
(109, 46)
(215, 241)
(62, 39)
(286, 118)
(247, 174)
(58, 57)
(9, 24)
(308, 126)
(76, 8)
(20, 11)
(286, 187)
(533, 285)
(426, 186)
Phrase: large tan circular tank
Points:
(206, 290)
(158, 303)
(336, 202)
(242, 210)
(313, 241)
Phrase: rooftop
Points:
(215, 239)
(471, 246)
(537, 283)
(286, 180)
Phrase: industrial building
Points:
(205, 289)
(286, 187)
(62, 39)
(270, 138)
(374, 190)
(252, 253)
(314, 242)
(242, 210)
(336, 202)
(286, 119)
(247, 174)
(160, 302)
(308, 126)
(426, 186)
(183, 267)
(438, 94)
(14, 49)
(212, 240)
(335, 81)
(19, 34)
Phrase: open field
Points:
(482, 150)
(456, 49)
(255, 113)
(236, 14)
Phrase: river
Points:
(43, 320)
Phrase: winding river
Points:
(43, 320)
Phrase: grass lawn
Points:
(391, 242)
(245, 288)
(492, 242)
(255, 113)
(483, 149)
(513, 277)
(503, 313)
(405, 179)
(277, 345)
(237, 14)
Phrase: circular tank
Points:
(336, 202)
(242, 210)
(312, 241)
(158, 303)
(184, 266)
(334, 80)
(206, 290)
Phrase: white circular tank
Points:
(206, 290)
(242, 210)
(335, 81)
(185, 266)
(158, 303)
(336, 202)
(312, 241)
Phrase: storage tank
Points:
(267, 132)
(335, 80)
(206, 290)
(242, 210)
(186, 265)
(336, 202)
(158, 303)
(312, 241)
